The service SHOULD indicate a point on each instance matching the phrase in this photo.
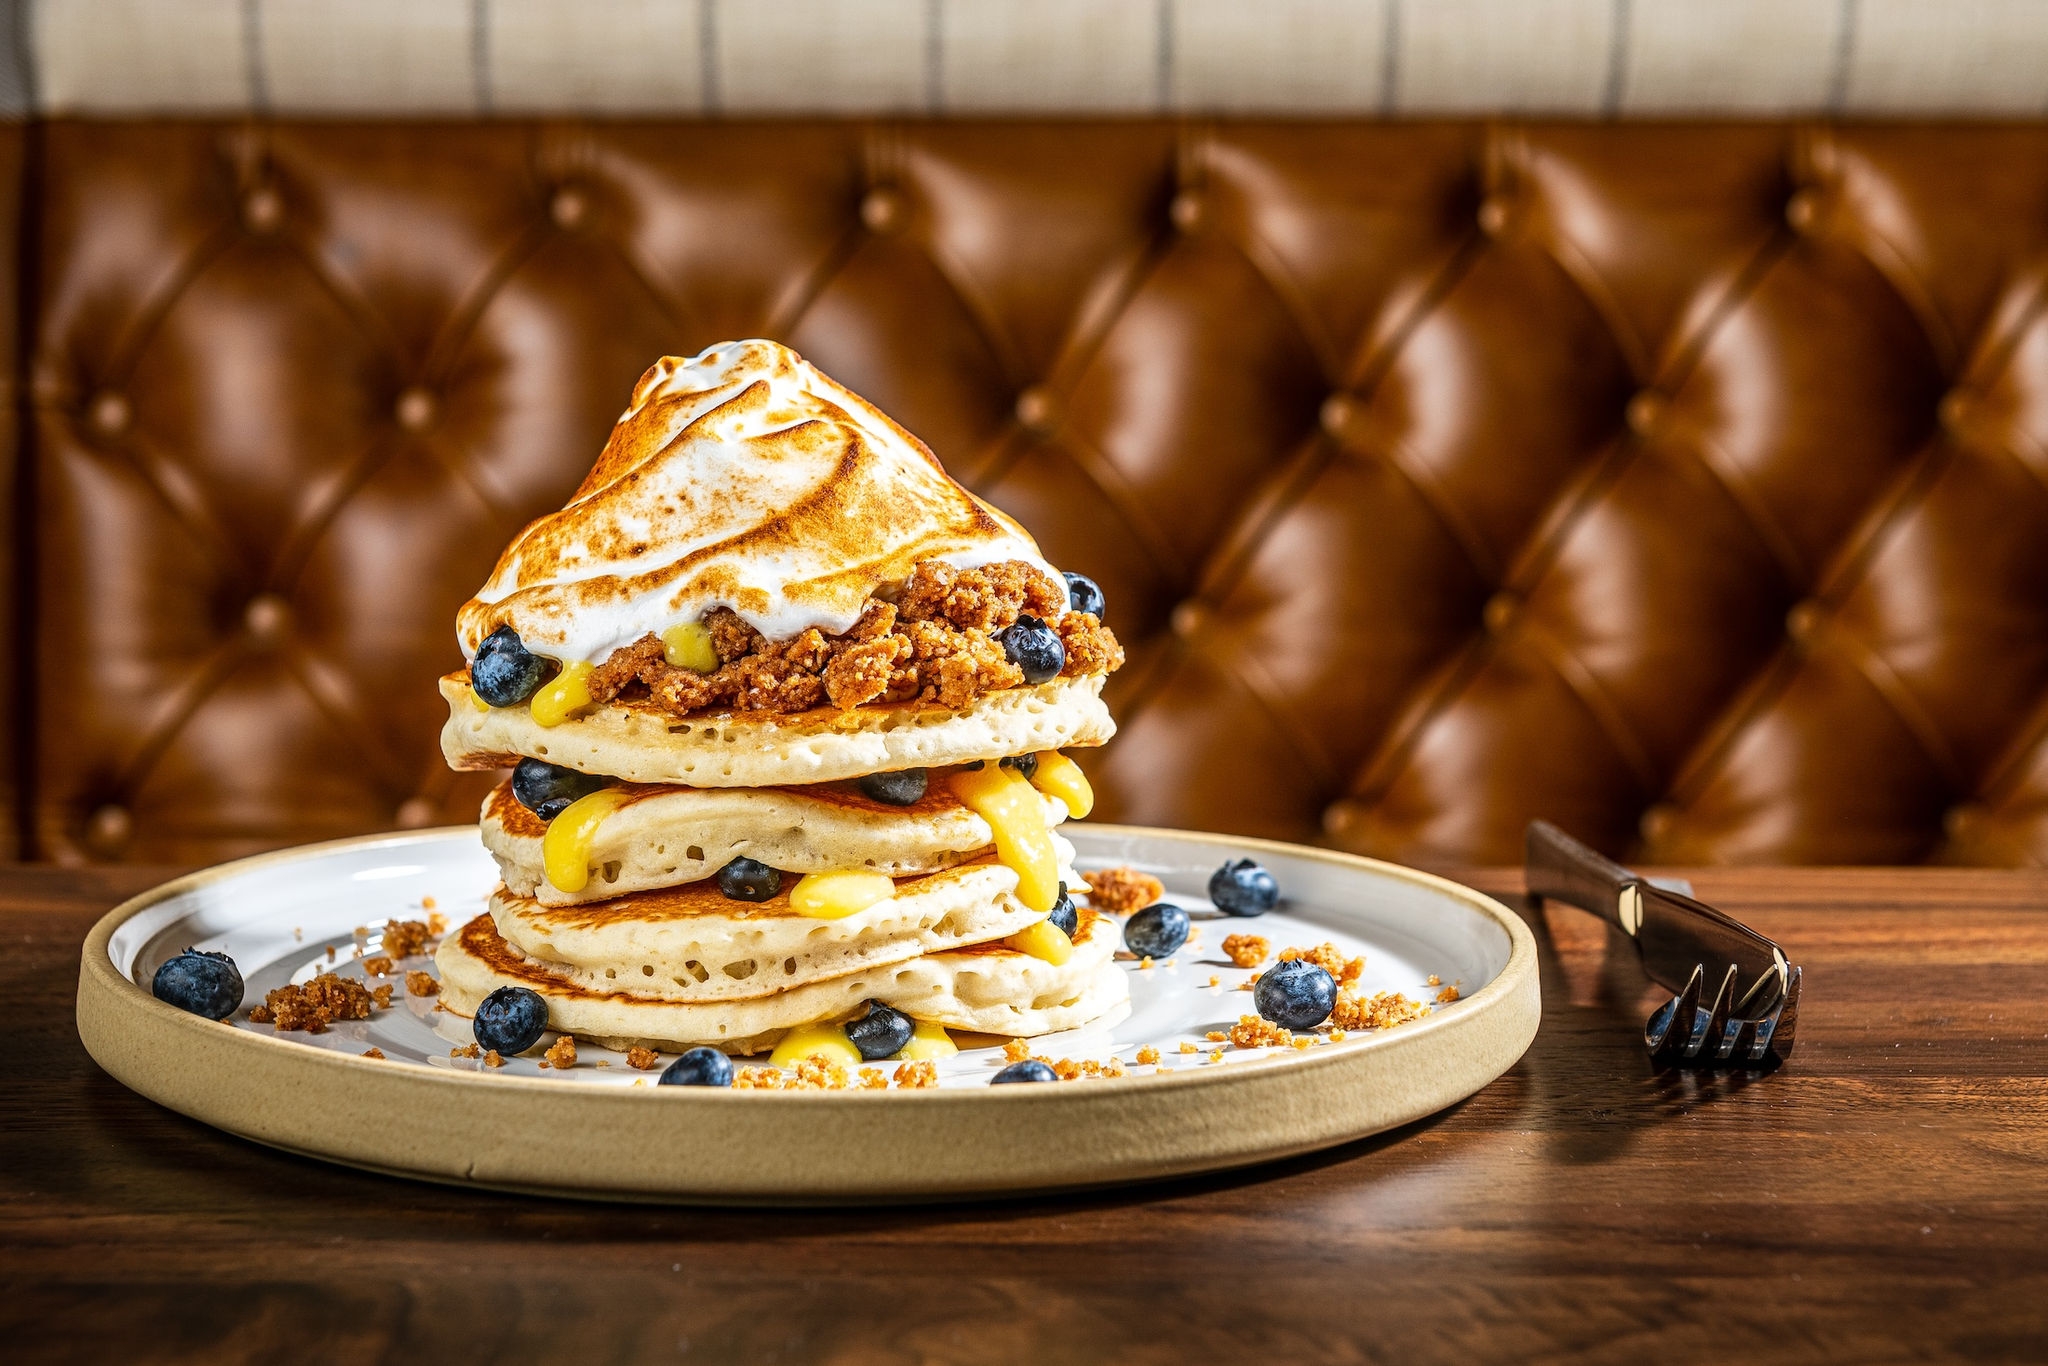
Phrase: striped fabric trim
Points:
(1592, 58)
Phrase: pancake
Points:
(692, 944)
(642, 744)
(988, 989)
(665, 836)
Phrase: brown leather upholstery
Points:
(1685, 485)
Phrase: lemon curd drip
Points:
(1044, 940)
(834, 896)
(928, 1041)
(1059, 776)
(562, 696)
(689, 646)
(827, 1039)
(565, 849)
(1015, 812)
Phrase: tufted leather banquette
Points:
(1686, 485)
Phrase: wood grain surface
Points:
(1884, 1198)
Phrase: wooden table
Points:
(1885, 1198)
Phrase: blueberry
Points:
(1026, 764)
(510, 1020)
(1241, 887)
(1085, 595)
(1295, 994)
(1157, 930)
(1031, 1069)
(203, 983)
(504, 672)
(881, 1033)
(746, 879)
(1064, 915)
(698, 1067)
(546, 789)
(1035, 648)
(904, 787)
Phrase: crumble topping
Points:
(1216, 1036)
(642, 1059)
(1330, 959)
(421, 984)
(373, 1053)
(561, 1054)
(873, 1079)
(382, 995)
(1380, 1011)
(917, 1076)
(1148, 1056)
(437, 924)
(1246, 950)
(380, 966)
(1122, 889)
(1255, 1031)
(468, 1050)
(1447, 995)
(406, 938)
(1189, 1048)
(935, 643)
(493, 1059)
(314, 1006)
(1016, 1050)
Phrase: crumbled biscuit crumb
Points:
(873, 1079)
(1167, 964)
(917, 1076)
(642, 1059)
(314, 1006)
(1253, 1031)
(820, 1073)
(382, 995)
(437, 925)
(427, 903)
(1114, 1067)
(1217, 1035)
(1304, 1041)
(1016, 1050)
(1148, 1056)
(1146, 964)
(1215, 981)
(330, 953)
(373, 1053)
(1330, 959)
(405, 938)
(421, 984)
(1122, 889)
(758, 1079)
(494, 1059)
(1337, 1036)
(561, 1054)
(1246, 950)
(1215, 1055)
(1381, 1011)
(1066, 1069)
(380, 966)
(468, 1050)
(1433, 980)
(1189, 1048)
(602, 1062)
(1447, 995)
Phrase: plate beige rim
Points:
(719, 1147)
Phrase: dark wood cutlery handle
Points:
(1556, 865)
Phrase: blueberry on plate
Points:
(510, 1020)
(1031, 1069)
(1295, 994)
(1241, 887)
(1026, 764)
(746, 879)
(206, 984)
(504, 672)
(1085, 595)
(1035, 648)
(547, 789)
(881, 1033)
(1064, 915)
(1156, 931)
(698, 1067)
(904, 787)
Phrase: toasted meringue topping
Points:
(741, 478)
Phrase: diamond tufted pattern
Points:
(1687, 485)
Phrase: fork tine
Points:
(1740, 1043)
(1717, 1022)
(1669, 1033)
(1787, 1020)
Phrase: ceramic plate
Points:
(607, 1131)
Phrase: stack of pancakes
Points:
(746, 481)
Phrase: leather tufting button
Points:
(1341, 817)
(881, 209)
(1493, 215)
(1803, 621)
(1802, 210)
(1657, 822)
(1954, 410)
(263, 209)
(1187, 210)
(109, 413)
(267, 617)
(1500, 611)
(415, 812)
(569, 207)
(1957, 820)
(1036, 410)
(1645, 411)
(1188, 618)
(415, 409)
(108, 829)
(1337, 414)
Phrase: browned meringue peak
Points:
(746, 478)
